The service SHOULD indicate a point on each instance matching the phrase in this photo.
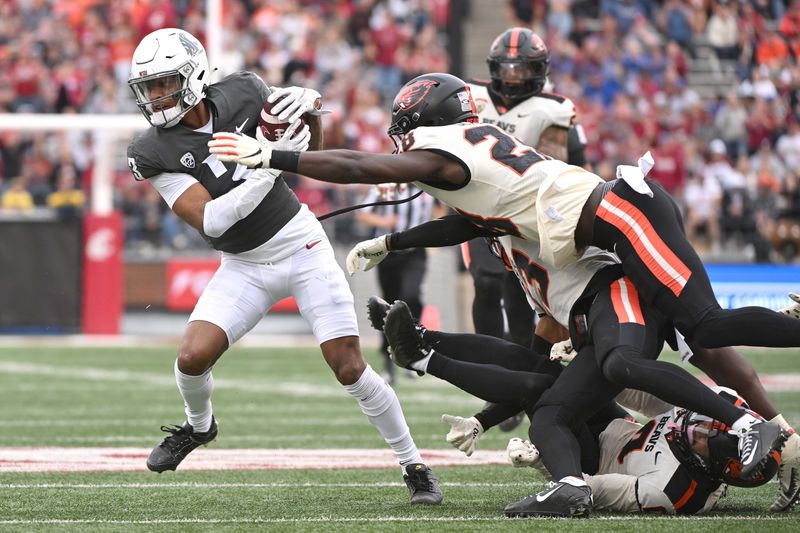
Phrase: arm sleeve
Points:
(445, 231)
(170, 185)
(643, 403)
(494, 413)
(576, 143)
(223, 212)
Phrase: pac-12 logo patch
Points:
(187, 160)
(413, 94)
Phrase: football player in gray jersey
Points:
(272, 246)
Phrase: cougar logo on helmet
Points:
(414, 93)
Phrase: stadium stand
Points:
(671, 76)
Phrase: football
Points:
(270, 126)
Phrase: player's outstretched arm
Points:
(446, 231)
(340, 166)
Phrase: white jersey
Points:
(511, 188)
(639, 457)
(527, 119)
(550, 290)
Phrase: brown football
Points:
(270, 126)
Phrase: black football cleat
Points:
(559, 499)
(757, 443)
(423, 485)
(404, 337)
(376, 311)
(174, 449)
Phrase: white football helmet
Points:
(169, 75)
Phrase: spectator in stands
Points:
(702, 197)
(675, 21)
(17, 198)
(788, 145)
(730, 126)
(68, 200)
(766, 159)
(723, 31)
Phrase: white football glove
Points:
(296, 102)
(464, 433)
(256, 153)
(563, 351)
(373, 250)
(521, 453)
(792, 310)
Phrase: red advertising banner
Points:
(186, 279)
(101, 301)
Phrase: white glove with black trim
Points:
(296, 101)
(256, 153)
(464, 433)
(563, 351)
(793, 310)
(373, 250)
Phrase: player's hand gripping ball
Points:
(272, 128)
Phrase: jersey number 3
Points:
(506, 150)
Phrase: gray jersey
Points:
(235, 103)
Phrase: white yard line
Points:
(260, 385)
(379, 519)
(133, 459)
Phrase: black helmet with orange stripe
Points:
(518, 64)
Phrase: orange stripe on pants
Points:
(625, 300)
(686, 495)
(649, 247)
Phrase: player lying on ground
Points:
(555, 292)
(272, 246)
(676, 463)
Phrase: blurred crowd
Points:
(728, 151)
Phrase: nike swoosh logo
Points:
(543, 497)
(656, 458)
(239, 129)
(312, 244)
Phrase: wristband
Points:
(284, 160)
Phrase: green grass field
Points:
(274, 398)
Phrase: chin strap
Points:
(362, 206)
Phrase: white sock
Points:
(422, 364)
(744, 423)
(790, 453)
(379, 402)
(782, 423)
(574, 481)
(196, 392)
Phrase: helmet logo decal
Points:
(413, 94)
(191, 47)
(187, 160)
